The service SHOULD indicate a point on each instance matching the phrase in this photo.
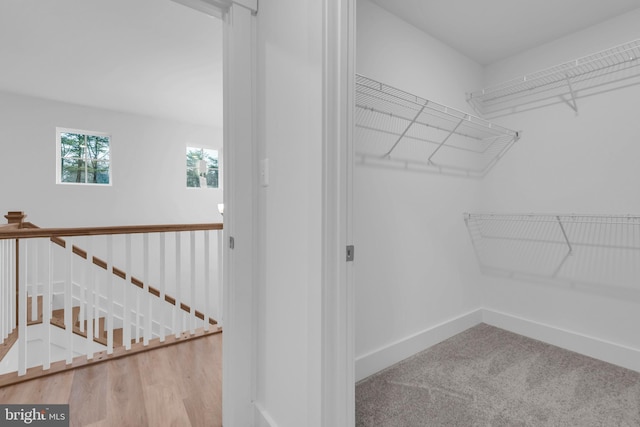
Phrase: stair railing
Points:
(87, 294)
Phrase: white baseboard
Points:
(377, 360)
(263, 419)
(613, 353)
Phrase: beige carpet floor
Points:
(487, 376)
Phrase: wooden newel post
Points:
(15, 217)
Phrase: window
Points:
(84, 157)
(202, 168)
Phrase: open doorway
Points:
(143, 79)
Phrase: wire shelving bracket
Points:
(398, 129)
(602, 251)
(600, 72)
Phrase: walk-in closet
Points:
(497, 214)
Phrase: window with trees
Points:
(202, 168)
(84, 157)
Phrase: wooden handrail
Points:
(7, 227)
(30, 231)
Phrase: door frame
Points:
(338, 293)
(240, 234)
(240, 275)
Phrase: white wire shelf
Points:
(610, 69)
(600, 251)
(396, 128)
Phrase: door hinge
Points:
(232, 242)
(350, 253)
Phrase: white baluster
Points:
(110, 294)
(207, 281)
(136, 293)
(82, 298)
(192, 290)
(176, 317)
(12, 281)
(3, 292)
(220, 263)
(25, 261)
(126, 320)
(97, 300)
(147, 296)
(46, 302)
(8, 286)
(68, 301)
(163, 312)
(90, 287)
(22, 307)
(33, 266)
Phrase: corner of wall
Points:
(606, 351)
(377, 360)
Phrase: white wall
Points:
(148, 167)
(290, 136)
(415, 268)
(568, 163)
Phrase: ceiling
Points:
(150, 57)
(162, 59)
(490, 30)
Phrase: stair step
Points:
(101, 337)
(57, 319)
(8, 343)
(58, 315)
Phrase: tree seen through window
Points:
(84, 158)
(202, 163)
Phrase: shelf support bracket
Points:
(446, 138)
(573, 103)
(566, 239)
(564, 259)
(388, 153)
(564, 233)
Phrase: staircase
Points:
(111, 312)
(57, 320)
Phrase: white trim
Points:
(607, 351)
(240, 219)
(252, 5)
(337, 373)
(263, 418)
(379, 359)
(216, 8)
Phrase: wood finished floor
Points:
(179, 385)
